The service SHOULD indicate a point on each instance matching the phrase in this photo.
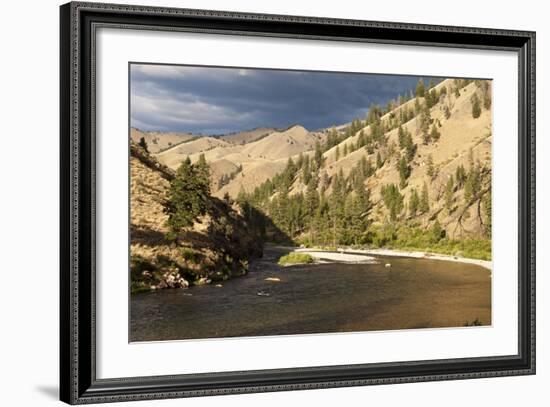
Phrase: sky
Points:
(208, 100)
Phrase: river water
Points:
(318, 298)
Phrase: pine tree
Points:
(430, 163)
(434, 134)
(143, 144)
(472, 184)
(401, 136)
(336, 205)
(414, 202)
(311, 203)
(306, 170)
(357, 207)
(476, 108)
(318, 155)
(337, 153)
(392, 199)
(202, 170)
(420, 88)
(436, 232)
(425, 121)
(410, 147)
(188, 196)
(460, 176)
(424, 206)
(404, 172)
(361, 139)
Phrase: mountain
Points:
(248, 136)
(243, 165)
(216, 247)
(417, 174)
(460, 133)
(173, 156)
(159, 141)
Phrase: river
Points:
(318, 298)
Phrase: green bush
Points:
(190, 255)
(295, 258)
(415, 238)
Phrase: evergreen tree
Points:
(188, 196)
(202, 170)
(472, 185)
(312, 204)
(420, 88)
(143, 144)
(306, 171)
(476, 108)
(414, 202)
(337, 153)
(424, 205)
(434, 134)
(404, 172)
(357, 208)
(361, 139)
(436, 232)
(430, 163)
(318, 155)
(425, 121)
(460, 176)
(401, 135)
(410, 147)
(431, 98)
(392, 199)
(336, 205)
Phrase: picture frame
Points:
(79, 21)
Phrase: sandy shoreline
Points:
(352, 255)
(339, 257)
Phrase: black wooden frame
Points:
(78, 382)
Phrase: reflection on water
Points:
(413, 293)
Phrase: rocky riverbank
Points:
(217, 247)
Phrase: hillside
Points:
(414, 174)
(459, 133)
(172, 157)
(245, 165)
(159, 141)
(216, 247)
(420, 170)
(244, 137)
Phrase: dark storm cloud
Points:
(222, 100)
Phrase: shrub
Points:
(295, 258)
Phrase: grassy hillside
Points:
(215, 247)
(159, 141)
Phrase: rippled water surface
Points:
(334, 297)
